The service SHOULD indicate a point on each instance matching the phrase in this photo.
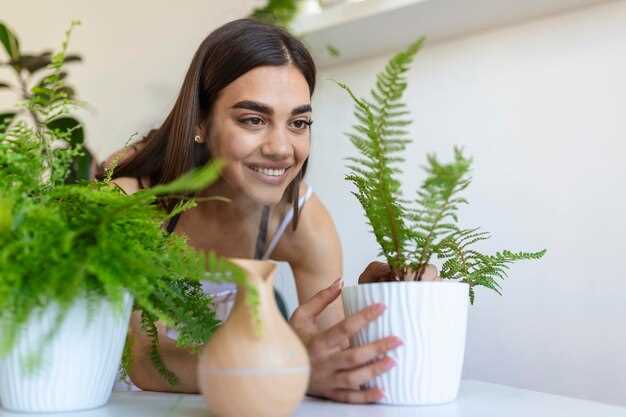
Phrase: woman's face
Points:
(260, 124)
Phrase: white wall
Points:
(542, 108)
(135, 55)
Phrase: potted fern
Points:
(75, 259)
(429, 315)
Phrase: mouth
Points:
(272, 176)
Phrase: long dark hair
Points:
(226, 54)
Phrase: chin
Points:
(267, 197)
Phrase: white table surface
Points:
(476, 399)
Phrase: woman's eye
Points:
(302, 124)
(253, 121)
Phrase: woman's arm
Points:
(315, 256)
(180, 361)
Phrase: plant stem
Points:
(37, 122)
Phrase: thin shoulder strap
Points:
(261, 239)
(171, 224)
(285, 222)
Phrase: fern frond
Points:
(473, 267)
(437, 204)
(148, 325)
(379, 138)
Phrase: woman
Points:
(246, 98)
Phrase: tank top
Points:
(224, 294)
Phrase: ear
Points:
(200, 134)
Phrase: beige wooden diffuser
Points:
(245, 371)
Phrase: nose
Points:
(276, 146)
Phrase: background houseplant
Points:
(27, 69)
(74, 257)
(410, 234)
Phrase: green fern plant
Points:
(60, 242)
(411, 234)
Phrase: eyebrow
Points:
(265, 109)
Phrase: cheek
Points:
(302, 150)
(235, 148)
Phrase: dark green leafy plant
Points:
(28, 69)
(282, 13)
(410, 234)
(60, 242)
(276, 12)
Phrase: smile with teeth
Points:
(270, 172)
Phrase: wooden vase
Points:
(247, 370)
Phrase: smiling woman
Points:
(246, 99)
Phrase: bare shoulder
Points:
(129, 185)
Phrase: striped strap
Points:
(285, 222)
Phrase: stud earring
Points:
(197, 139)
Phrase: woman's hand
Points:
(382, 272)
(337, 370)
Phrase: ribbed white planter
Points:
(431, 319)
(78, 366)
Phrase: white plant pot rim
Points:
(393, 283)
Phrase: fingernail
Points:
(389, 363)
(337, 283)
(380, 308)
(396, 342)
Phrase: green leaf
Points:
(80, 168)
(5, 120)
(332, 51)
(276, 12)
(33, 63)
(10, 42)
(68, 128)
(192, 181)
(72, 58)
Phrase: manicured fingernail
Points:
(396, 342)
(389, 363)
(337, 283)
(380, 308)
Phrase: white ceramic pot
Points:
(78, 366)
(431, 319)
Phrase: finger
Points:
(360, 356)
(355, 378)
(336, 335)
(375, 272)
(316, 304)
(369, 395)
(429, 273)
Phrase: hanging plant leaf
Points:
(72, 58)
(5, 120)
(69, 91)
(68, 128)
(33, 63)
(332, 51)
(276, 12)
(80, 168)
(10, 42)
